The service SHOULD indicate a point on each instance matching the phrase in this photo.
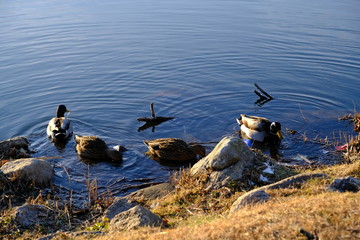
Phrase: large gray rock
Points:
(29, 171)
(134, 218)
(120, 204)
(228, 161)
(31, 214)
(14, 148)
(230, 150)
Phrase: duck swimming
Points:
(92, 147)
(59, 127)
(258, 131)
(173, 149)
(258, 128)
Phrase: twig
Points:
(261, 90)
(142, 179)
(117, 181)
(67, 173)
(152, 110)
(302, 114)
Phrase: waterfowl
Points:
(173, 149)
(259, 129)
(59, 127)
(92, 147)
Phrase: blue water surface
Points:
(196, 61)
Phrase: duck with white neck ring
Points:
(260, 130)
(59, 128)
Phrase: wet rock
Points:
(250, 198)
(31, 214)
(230, 160)
(347, 184)
(120, 204)
(134, 218)
(14, 148)
(29, 171)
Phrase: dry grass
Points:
(291, 213)
(327, 216)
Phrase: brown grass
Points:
(327, 216)
(291, 213)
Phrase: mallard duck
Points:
(259, 129)
(59, 127)
(173, 149)
(92, 147)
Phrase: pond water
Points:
(196, 61)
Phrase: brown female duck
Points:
(173, 149)
(92, 147)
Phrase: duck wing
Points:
(255, 123)
(253, 134)
(172, 149)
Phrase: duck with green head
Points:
(59, 128)
(260, 129)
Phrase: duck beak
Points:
(279, 134)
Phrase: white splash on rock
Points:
(263, 178)
(269, 169)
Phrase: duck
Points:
(59, 127)
(173, 149)
(259, 129)
(92, 147)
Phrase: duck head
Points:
(275, 128)
(61, 110)
(198, 149)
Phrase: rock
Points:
(153, 192)
(29, 171)
(291, 181)
(134, 218)
(228, 151)
(30, 214)
(120, 204)
(249, 198)
(259, 192)
(347, 184)
(14, 148)
(230, 160)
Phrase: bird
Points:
(173, 149)
(59, 128)
(258, 132)
(92, 147)
(259, 129)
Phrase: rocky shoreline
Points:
(231, 167)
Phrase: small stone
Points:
(134, 218)
(249, 198)
(348, 184)
(31, 214)
(120, 204)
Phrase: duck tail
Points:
(239, 121)
(114, 154)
